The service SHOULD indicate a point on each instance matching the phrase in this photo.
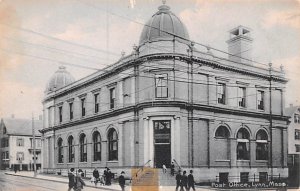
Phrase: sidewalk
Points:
(61, 179)
(113, 187)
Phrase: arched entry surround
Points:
(149, 144)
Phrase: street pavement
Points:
(25, 181)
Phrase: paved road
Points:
(15, 183)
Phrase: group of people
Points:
(75, 180)
(185, 182)
(104, 179)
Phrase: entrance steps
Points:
(166, 179)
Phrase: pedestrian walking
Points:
(164, 168)
(109, 177)
(15, 168)
(178, 180)
(96, 176)
(172, 168)
(79, 183)
(122, 181)
(184, 182)
(71, 177)
(191, 182)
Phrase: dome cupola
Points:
(59, 79)
(162, 25)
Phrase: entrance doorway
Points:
(162, 143)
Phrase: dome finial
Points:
(164, 2)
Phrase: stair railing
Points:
(142, 168)
(179, 167)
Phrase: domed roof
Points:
(161, 22)
(59, 79)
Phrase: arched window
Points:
(112, 145)
(243, 144)
(83, 148)
(60, 150)
(97, 146)
(262, 150)
(71, 149)
(222, 132)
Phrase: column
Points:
(150, 143)
(132, 144)
(233, 145)
(132, 90)
(120, 144)
(177, 138)
(120, 93)
(252, 148)
(146, 139)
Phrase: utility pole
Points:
(33, 140)
(271, 121)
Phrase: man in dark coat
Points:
(183, 181)
(96, 176)
(191, 182)
(105, 177)
(109, 177)
(122, 181)
(71, 177)
(178, 180)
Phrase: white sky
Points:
(275, 28)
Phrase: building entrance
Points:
(162, 143)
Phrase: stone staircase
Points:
(166, 179)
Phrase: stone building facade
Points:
(168, 101)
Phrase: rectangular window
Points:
(71, 111)
(112, 95)
(221, 90)
(296, 118)
(262, 151)
(96, 98)
(244, 177)
(243, 151)
(20, 156)
(60, 113)
(263, 176)
(161, 85)
(260, 100)
(6, 155)
(223, 177)
(20, 142)
(297, 134)
(83, 107)
(297, 148)
(242, 96)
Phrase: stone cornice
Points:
(181, 57)
(180, 104)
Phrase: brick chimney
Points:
(240, 45)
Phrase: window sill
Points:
(96, 162)
(82, 162)
(113, 161)
(161, 98)
(222, 160)
(261, 161)
(71, 163)
(241, 160)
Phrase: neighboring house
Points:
(294, 144)
(168, 101)
(16, 143)
(293, 129)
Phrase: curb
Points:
(104, 188)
